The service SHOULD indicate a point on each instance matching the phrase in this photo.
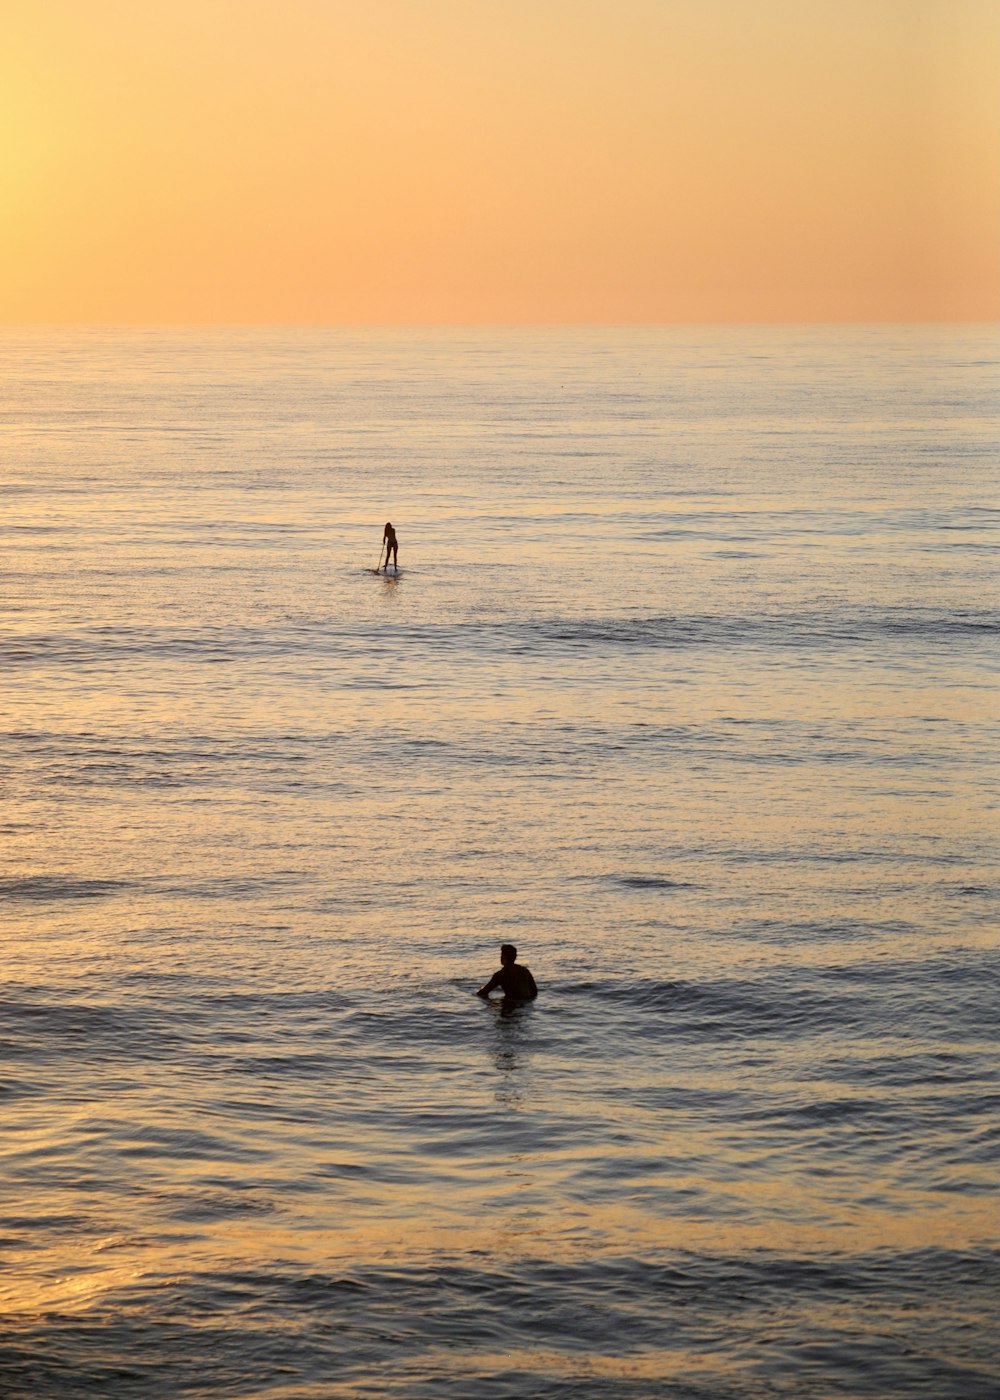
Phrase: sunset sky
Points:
(428, 161)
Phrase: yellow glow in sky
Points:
(415, 161)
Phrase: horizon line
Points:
(483, 325)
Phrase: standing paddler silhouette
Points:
(390, 546)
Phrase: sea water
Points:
(683, 686)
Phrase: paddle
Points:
(380, 553)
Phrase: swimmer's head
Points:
(507, 952)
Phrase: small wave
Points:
(42, 888)
(317, 636)
(786, 629)
(651, 882)
(772, 1322)
(730, 1009)
(38, 1029)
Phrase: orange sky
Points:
(412, 161)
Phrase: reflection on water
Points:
(511, 1049)
(688, 693)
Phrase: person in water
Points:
(513, 978)
(391, 547)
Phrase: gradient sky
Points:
(422, 161)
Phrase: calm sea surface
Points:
(684, 687)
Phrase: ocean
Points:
(685, 686)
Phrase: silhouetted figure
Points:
(389, 540)
(513, 978)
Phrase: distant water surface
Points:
(686, 687)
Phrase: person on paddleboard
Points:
(391, 547)
(513, 978)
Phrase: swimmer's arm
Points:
(489, 986)
(532, 989)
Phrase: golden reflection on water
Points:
(318, 800)
(70, 1278)
(74, 1275)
